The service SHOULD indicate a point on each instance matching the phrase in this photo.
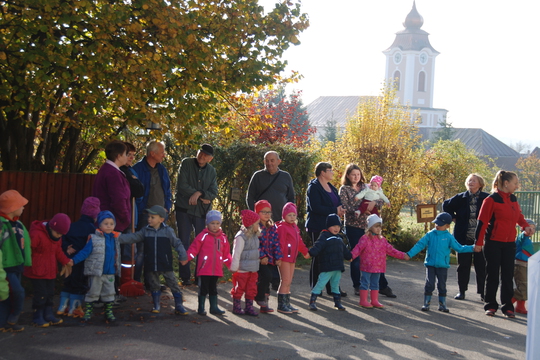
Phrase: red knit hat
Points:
(261, 204)
(90, 207)
(11, 200)
(60, 223)
(249, 217)
(288, 208)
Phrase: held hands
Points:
(278, 263)
(528, 231)
(307, 256)
(184, 262)
(264, 261)
(66, 269)
(407, 257)
(477, 248)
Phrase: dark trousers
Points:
(43, 293)
(354, 234)
(465, 260)
(314, 270)
(186, 224)
(499, 264)
(207, 285)
(77, 282)
(263, 283)
(432, 273)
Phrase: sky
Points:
(486, 75)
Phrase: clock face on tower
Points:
(397, 58)
(423, 58)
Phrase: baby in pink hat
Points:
(372, 193)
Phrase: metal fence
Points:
(529, 201)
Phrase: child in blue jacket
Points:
(439, 243)
(524, 250)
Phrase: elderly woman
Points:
(322, 200)
(496, 234)
(464, 208)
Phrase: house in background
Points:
(410, 66)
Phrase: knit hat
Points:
(332, 220)
(157, 210)
(213, 215)
(378, 179)
(105, 215)
(11, 200)
(443, 218)
(249, 217)
(90, 207)
(288, 208)
(60, 223)
(261, 204)
(372, 220)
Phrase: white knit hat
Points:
(372, 220)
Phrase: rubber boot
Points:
(268, 308)
(179, 308)
(200, 309)
(364, 300)
(88, 311)
(38, 320)
(520, 307)
(214, 309)
(288, 300)
(237, 307)
(442, 304)
(427, 301)
(75, 305)
(282, 305)
(109, 316)
(156, 298)
(48, 315)
(375, 299)
(64, 300)
(249, 309)
(312, 302)
(337, 302)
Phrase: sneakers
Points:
(460, 295)
(509, 314)
(490, 312)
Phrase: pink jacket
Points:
(290, 241)
(46, 253)
(372, 251)
(212, 251)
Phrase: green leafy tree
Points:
(331, 132)
(528, 170)
(76, 73)
(446, 132)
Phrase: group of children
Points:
(90, 256)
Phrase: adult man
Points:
(157, 190)
(271, 184)
(195, 190)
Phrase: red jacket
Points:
(498, 217)
(290, 241)
(212, 252)
(46, 253)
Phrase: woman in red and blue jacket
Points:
(496, 233)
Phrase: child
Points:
(245, 263)
(369, 194)
(16, 253)
(331, 251)
(439, 242)
(4, 286)
(76, 284)
(291, 243)
(269, 253)
(524, 250)
(46, 240)
(373, 249)
(212, 250)
(102, 264)
(159, 239)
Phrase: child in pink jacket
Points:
(212, 250)
(373, 249)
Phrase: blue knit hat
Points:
(105, 215)
(332, 220)
(213, 215)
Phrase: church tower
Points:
(410, 66)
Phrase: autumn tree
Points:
(528, 170)
(381, 139)
(76, 73)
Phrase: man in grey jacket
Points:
(195, 189)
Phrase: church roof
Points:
(412, 37)
(333, 108)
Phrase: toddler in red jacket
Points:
(47, 251)
(212, 250)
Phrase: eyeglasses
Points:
(332, 170)
(265, 212)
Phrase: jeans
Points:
(369, 281)
(441, 274)
(11, 308)
(185, 224)
(354, 234)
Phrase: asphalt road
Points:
(399, 331)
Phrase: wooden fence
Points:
(48, 193)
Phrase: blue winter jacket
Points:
(142, 170)
(319, 205)
(439, 244)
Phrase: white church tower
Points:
(410, 65)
